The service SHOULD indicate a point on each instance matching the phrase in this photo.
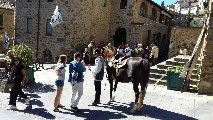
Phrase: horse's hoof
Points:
(139, 109)
(132, 111)
(113, 99)
(110, 102)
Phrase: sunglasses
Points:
(16, 60)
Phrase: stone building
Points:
(6, 23)
(187, 6)
(183, 38)
(116, 21)
(206, 78)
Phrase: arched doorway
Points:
(47, 56)
(119, 37)
(157, 42)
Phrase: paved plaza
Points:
(159, 102)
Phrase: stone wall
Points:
(86, 20)
(83, 21)
(180, 20)
(8, 26)
(206, 78)
(136, 32)
(183, 38)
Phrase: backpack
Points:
(75, 76)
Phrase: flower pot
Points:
(30, 75)
(174, 82)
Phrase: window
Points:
(103, 2)
(143, 10)
(1, 21)
(49, 0)
(123, 4)
(161, 18)
(29, 25)
(154, 14)
(48, 28)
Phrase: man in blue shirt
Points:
(76, 67)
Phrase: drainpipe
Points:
(39, 3)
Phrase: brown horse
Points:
(139, 70)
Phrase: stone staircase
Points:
(158, 72)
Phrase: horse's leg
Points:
(141, 98)
(144, 85)
(111, 89)
(115, 86)
(109, 72)
(116, 83)
(136, 90)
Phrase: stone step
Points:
(195, 76)
(192, 86)
(157, 76)
(159, 71)
(194, 82)
(161, 82)
(162, 66)
(185, 60)
(181, 59)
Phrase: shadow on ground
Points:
(36, 107)
(147, 111)
(88, 114)
(41, 88)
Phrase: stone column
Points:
(206, 78)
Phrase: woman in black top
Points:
(18, 75)
(86, 57)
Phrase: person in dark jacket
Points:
(98, 74)
(18, 76)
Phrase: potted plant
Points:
(174, 81)
(25, 53)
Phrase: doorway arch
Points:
(119, 37)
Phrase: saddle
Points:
(120, 63)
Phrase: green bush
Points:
(177, 69)
(25, 53)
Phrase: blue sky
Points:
(167, 2)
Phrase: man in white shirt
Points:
(98, 74)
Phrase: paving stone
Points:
(159, 102)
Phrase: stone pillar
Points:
(206, 78)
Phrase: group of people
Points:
(76, 69)
(149, 52)
(76, 79)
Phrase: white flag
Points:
(6, 41)
(56, 17)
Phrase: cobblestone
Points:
(159, 102)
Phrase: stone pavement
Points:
(159, 102)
